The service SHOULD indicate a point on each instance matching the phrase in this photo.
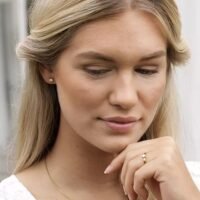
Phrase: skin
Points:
(132, 84)
(123, 90)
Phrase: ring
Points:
(144, 158)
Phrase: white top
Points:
(12, 189)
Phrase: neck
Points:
(76, 164)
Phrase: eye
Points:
(97, 72)
(145, 71)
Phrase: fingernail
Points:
(130, 197)
(124, 191)
(108, 169)
(141, 198)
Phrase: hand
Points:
(164, 172)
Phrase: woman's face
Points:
(111, 79)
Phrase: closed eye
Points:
(146, 71)
(97, 72)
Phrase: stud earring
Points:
(51, 80)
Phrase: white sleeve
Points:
(2, 192)
(12, 189)
(194, 169)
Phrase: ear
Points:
(47, 74)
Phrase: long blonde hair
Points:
(52, 26)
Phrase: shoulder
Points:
(12, 189)
(194, 169)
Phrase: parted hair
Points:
(52, 27)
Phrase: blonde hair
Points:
(52, 26)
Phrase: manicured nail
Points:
(108, 169)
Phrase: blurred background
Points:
(13, 28)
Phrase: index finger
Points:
(116, 163)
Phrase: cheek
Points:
(78, 95)
(154, 95)
(151, 101)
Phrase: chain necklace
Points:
(54, 183)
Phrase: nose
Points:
(124, 92)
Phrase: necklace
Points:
(54, 183)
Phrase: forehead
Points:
(132, 33)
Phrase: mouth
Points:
(120, 124)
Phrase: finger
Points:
(129, 156)
(116, 163)
(139, 185)
(132, 167)
(138, 157)
(132, 195)
(154, 187)
(142, 175)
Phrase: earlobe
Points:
(47, 74)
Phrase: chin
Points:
(116, 147)
(119, 146)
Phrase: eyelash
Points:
(102, 72)
(146, 72)
(97, 72)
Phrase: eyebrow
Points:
(154, 55)
(99, 56)
(96, 56)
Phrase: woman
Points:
(98, 115)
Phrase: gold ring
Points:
(144, 158)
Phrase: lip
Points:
(119, 119)
(120, 124)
